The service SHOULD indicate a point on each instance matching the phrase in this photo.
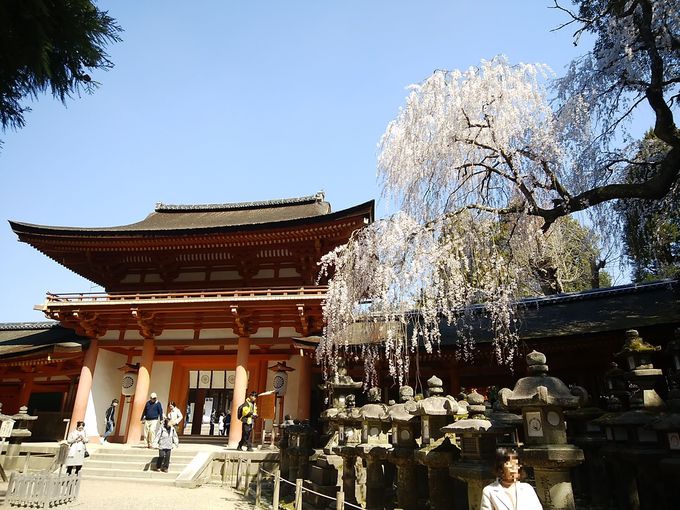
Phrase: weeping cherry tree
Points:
(483, 167)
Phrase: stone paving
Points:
(105, 494)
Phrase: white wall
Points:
(105, 387)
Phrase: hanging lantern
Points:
(129, 383)
(129, 380)
(280, 381)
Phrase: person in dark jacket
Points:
(151, 418)
(247, 412)
(110, 418)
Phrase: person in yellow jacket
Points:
(247, 412)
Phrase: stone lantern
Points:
(374, 427)
(340, 388)
(349, 424)
(479, 435)
(328, 471)
(300, 448)
(405, 431)
(435, 411)
(349, 436)
(633, 450)
(437, 451)
(542, 400)
(19, 433)
(374, 448)
(405, 426)
(641, 374)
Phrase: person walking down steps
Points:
(110, 418)
(166, 440)
(151, 418)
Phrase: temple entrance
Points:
(203, 411)
(210, 395)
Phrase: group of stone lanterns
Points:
(455, 440)
(441, 449)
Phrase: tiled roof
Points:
(35, 334)
(170, 219)
(593, 311)
(28, 326)
(240, 206)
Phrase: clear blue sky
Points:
(213, 102)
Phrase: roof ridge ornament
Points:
(161, 207)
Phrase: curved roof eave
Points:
(19, 228)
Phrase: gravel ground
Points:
(105, 494)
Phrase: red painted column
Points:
(134, 433)
(84, 384)
(240, 387)
(25, 392)
(304, 389)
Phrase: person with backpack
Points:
(110, 418)
(166, 439)
(247, 412)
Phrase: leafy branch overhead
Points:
(48, 45)
(484, 165)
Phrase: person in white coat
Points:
(507, 492)
(174, 415)
(76, 450)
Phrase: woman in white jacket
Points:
(77, 449)
(507, 492)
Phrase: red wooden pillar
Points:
(141, 392)
(304, 388)
(240, 387)
(84, 384)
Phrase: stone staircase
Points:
(134, 464)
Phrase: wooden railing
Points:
(42, 490)
(248, 294)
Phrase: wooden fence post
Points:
(340, 504)
(246, 479)
(277, 487)
(258, 487)
(298, 494)
(238, 475)
(224, 469)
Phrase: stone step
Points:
(146, 481)
(130, 463)
(89, 472)
(119, 456)
(175, 464)
(143, 452)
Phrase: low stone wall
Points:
(226, 467)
